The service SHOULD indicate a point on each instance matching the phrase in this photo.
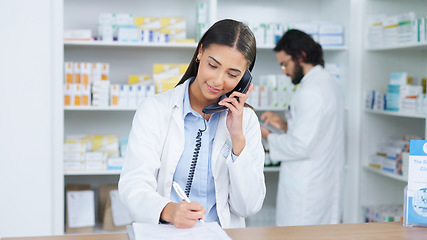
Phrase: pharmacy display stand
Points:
(415, 200)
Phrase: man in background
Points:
(311, 150)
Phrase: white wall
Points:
(26, 110)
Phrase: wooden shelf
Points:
(386, 174)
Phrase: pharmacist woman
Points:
(228, 182)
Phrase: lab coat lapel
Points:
(221, 137)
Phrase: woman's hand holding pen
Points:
(183, 214)
(235, 118)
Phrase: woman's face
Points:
(220, 70)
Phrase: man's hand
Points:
(274, 119)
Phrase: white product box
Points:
(115, 163)
(173, 23)
(106, 32)
(398, 78)
(76, 94)
(148, 22)
(132, 99)
(254, 97)
(264, 96)
(86, 95)
(77, 72)
(114, 95)
(96, 165)
(150, 90)
(74, 156)
(86, 73)
(95, 156)
(331, 40)
(67, 94)
(309, 28)
(77, 34)
(259, 33)
(107, 18)
(105, 71)
(74, 147)
(74, 165)
(127, 34)
(141, 93)
(96, 71)
(331, 29)
(68, 70)
(124, 95)
(125, 19)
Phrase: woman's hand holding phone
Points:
(235, 118)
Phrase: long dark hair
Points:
(294, 42)
(226, 32)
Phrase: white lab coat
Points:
(155, 145)
(311, 154)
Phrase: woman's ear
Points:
(200, 50)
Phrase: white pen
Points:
(182, 194)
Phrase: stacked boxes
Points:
(125, 27)
(401, 96)
(272, 91)
(202, 20)
(326, 34)
(91, 152)
(166, 76)
(392, 156)
(78, 79)
(384, 213)
(396, 29)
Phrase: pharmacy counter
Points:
(359, 231)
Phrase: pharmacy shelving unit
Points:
(376, 186)
(138, 58)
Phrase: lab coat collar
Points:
(178, 96)
(308, 77)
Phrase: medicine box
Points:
(76, 72)
(67, 94)
(124, 19)
(68, 69)
(107, 18)
(166, 76)
(86, 73)
(77, 34)
(114, 95)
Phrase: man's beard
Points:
(298, 74)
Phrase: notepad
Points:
(205, 231)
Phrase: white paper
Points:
(81, 208)
(120, 215)
(205, 231)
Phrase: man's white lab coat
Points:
(311, 154)
(155, 145)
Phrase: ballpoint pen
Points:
(182, 194)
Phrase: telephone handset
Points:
(242, 87)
